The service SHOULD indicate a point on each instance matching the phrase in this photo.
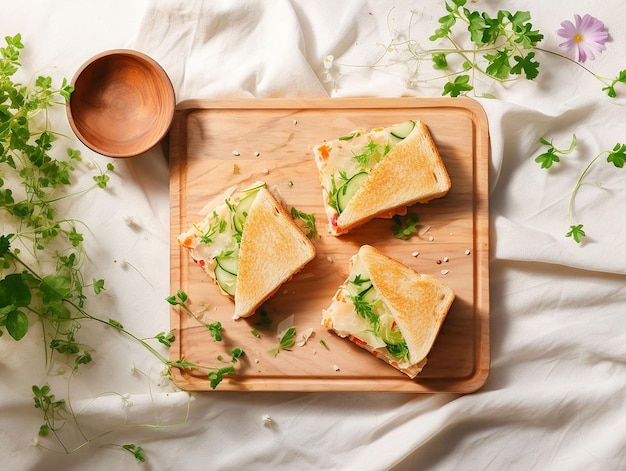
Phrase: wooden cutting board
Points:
(215, 144)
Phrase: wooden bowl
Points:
(122, 104)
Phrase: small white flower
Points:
(126, 401)
(267, 420)
(328, 61)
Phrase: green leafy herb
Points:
(576, 232)
(215, 328)
(217, 376)
(287, 341)
(404, 227)
(308, 220)
(616, 156)
(165, 338)
(398, 350)
(136, 451)
(53, 409)
(551, 156)
(457, 87)
(337, 184)
(180, 299)
(610, 87)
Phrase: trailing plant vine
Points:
(42, 255)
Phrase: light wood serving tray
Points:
(215, 144)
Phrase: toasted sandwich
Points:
(366, 175)
(389, 309)
(249, 245)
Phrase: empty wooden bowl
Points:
(122, 104)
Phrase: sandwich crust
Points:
(272, 250)
(419, 302)
(412, 172)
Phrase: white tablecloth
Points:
(556, 396)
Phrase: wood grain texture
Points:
(273, 139)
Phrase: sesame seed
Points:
(431, 238)
(236, 153)
(446, 259)
(445, 272)
(415, 254)
(467, 252)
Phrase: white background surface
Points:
(556, 396)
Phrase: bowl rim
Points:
(161, 73)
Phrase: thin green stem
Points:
(579, 183)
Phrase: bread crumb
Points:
(336, 367)
(330, 259)
(266, 171)
(295, 121)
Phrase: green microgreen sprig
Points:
(616, 156)
(180, 299)
(308, 219)
(470, 46)
(287, 341)
(551, 155)
(42, 255)
(404, 227)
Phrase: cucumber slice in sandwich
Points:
(227, 281)
(402, 130)
(349, 188)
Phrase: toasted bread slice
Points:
(249, 245)
(273, 249)
(389, 309)
(379, 173)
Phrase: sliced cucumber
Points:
(254, 187)
(241, 211)
(228, 263)
(369, 294)
(226, 280)
(349, 188)
(402, 130)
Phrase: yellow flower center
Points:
(578, 38)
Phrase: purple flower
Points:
(586, 37)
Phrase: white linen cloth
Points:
(556, 396)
